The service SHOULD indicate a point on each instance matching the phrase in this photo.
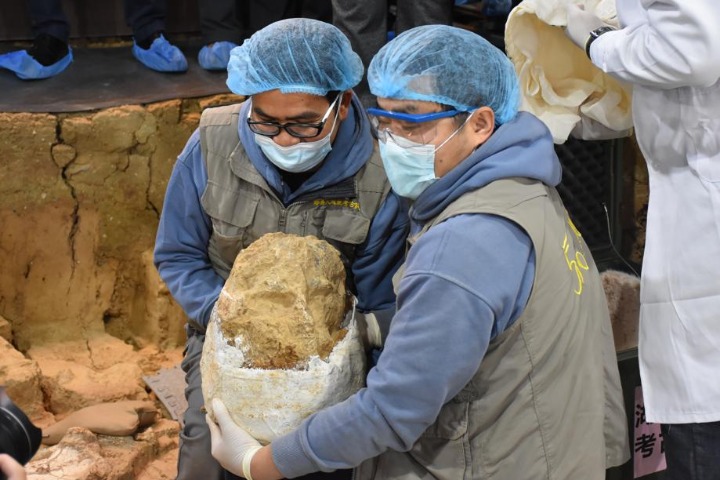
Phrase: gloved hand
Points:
(232, 446)
(580, 23)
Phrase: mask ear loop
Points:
(337, 114)
(249, 100)
(455, 132)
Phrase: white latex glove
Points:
(232, 446)
(580, 23)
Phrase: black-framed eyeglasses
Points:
(299, 130)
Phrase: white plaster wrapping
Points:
(270, 403)
(559, 84)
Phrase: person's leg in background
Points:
(257, 14)
(692, 451)
(414, 13)
(316, 9)
(150, 47)
(194, 459)
(48, 18)
(365, 24)
(221, 30)
(50, 53)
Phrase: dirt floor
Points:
(52, 381)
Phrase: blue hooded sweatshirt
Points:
(466, 280)
(181, 255)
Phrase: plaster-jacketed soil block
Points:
(277, 348)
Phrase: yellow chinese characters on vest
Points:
(576, 260)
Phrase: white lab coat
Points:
(670, 51)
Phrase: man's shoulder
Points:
(220, 116)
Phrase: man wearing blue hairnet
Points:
(499, 362)
(297, 157)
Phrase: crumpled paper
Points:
(559, 84)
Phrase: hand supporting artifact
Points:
(580, 23)
(232, 446)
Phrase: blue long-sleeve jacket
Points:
(181, 255)
(466, 280)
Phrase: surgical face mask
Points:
(410, 166)
(301, 157)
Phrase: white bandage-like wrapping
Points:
(271, 403)
(559, 84)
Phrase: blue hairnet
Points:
(294, 55)
(447, 65)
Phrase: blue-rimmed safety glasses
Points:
(416, 127)
(298, 130)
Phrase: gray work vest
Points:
(546, 402)
(243, 207)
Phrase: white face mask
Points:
(301, 157)
(410, 166)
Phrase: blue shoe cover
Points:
(215, 56)
(162, 56)
(27, 68)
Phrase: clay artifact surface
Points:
(284, 301)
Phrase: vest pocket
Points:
(222, 251)
(345, 225)
(231, 211)
(444, 447)
(231, 214)
(451, 424)
(229, 237)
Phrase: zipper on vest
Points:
(282, 221)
